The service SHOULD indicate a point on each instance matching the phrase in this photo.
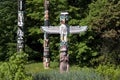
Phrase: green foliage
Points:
(8, 28)
(109, 72)
(99, 45)
(35, 68)
(102, 72)
(107, 31)
(103, 34)
(14, 69)
(82, 74)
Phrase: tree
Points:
(103, 19)
(8, 28)
(107, 29)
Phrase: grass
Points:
(102, 72)
(0, 63)
(81, 74)
(38, 67)
(75, 73)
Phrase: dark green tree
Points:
(8, 28)
(103, 19)
(106, 28)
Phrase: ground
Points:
(38, 67)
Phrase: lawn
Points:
(75, 73)
(38, 67)
(102, 72)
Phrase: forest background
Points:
(99, 45)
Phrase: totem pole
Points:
(46, 55)
(64, 29)
(20, 31)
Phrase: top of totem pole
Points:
(64, 13)
(64, 16)
(63, 22)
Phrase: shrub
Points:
(82, 74)
(100, 73)
(14, 69)
(109, 72)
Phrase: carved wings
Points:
(77, 29)
(50, 29)
(71, 29)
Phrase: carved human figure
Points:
(46, 62)
(63, 33)
(20, 18)
(64, 59)
(46, 41)
(46, 59)
(46, 15)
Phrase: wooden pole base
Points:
(46, 63)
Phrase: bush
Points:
(102, 72)
(82, 74)
(14, 69)
(109, 72)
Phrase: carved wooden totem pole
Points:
(46, 55)
(20, 31)
(64, 29)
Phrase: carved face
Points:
(64, 17)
